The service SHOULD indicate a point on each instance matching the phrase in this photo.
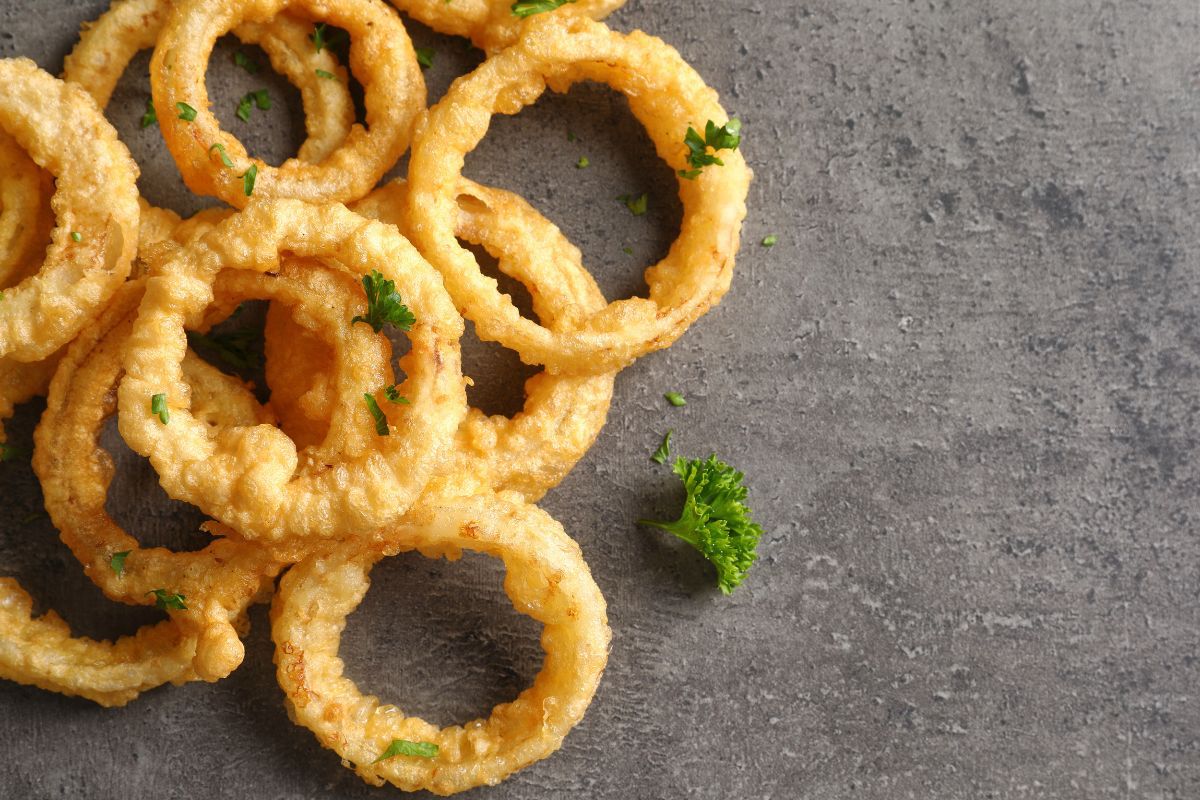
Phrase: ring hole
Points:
(140, 506)
(235, 346)
(441, 639)
(159, 182)
(36, 557)
(273, 134)
(621, 160)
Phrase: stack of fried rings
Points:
(340, 468)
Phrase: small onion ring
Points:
(107, 45)
(252, 478)
(491, 25)
(41, 651)
(547, 579)
(95, 204)
(667, 96)
(220, 581)
(534, 450)
(380, 52)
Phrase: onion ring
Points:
(491, 25)
(534, 450)
(380, 48)
(546, 579)
(41, 651)
(252, 478)
(666, 95)
(107, 45)
(218, 582)
(95, 204)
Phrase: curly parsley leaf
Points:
(381, 420)
(675, 399)
(248, 178)
(168, 601)
(527, 8)
(725, 137)
(403, 747)
(150, 117)
(158, 407)
(384, 306)
(636, 205)
(246, 62)
(238, 348)
(664, 450)
(715, 519)
(117, 562)
(393, 395)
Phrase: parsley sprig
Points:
(384, 306)
(726, 137)
(403, 747)
(168, 601)
(527, 8)
(715, 519)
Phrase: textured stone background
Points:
(964, 387)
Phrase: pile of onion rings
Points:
(107, 303)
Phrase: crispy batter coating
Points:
(489, 24)
(547, 579)
(95, 204)
(220, 581)
(381, 55)
(107, 45)
(667, 96)
(253, 478)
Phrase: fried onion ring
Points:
(95, 205)
(491, 25)
(380, 53)
(41, 651)
(530, 452)
(218, 582)
(547, 579)
(107, 45)
(252, 478)
(667, 96)
(534, 450)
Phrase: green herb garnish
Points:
(403, 747)
(715, 520)
(384, 305)
(726, 137)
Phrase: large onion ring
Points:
(220, 581)
(491, 25)
(107, 45)
(25, 216)
(546, 579)
(252, 478)
(667, 96)
(381, 54)
(95, 203)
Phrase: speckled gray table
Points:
(964, 386)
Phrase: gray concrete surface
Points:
(964, 387)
